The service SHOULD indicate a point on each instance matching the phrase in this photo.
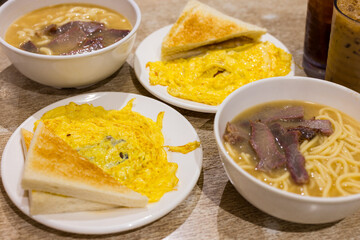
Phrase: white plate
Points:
(177, 131)
(149, 50)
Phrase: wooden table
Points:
(214, 209)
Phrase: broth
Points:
(34, 25)
(332, 162)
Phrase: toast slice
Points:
(53, 166)
(49, 203)
(199, 25)
(26, 137)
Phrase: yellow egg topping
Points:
(124, 143)
(184, 148)
(211, 77)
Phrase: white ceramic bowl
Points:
(288, 206)
(69, 71)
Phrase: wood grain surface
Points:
(214, 209)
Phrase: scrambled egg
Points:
(184, 148)
(125, 144)
(210, 78)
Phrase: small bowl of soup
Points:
(291, 147)
(66, 44)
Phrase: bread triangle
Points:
(200, 25)
(26, 137)
(53, 166)
(49, 203)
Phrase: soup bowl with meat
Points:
(291, 147)
(67, 44)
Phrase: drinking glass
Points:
(343, 64)
(317, 34)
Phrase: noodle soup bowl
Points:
(69, 71)
(273, 201)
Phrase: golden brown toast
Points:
(49, 203)
(200, 25)
(53, 166)
(26, 137)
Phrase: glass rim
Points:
(339, 10)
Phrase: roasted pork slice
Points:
(68, 40)
(235, 134)
(322, 126)
(295, 161)
(113, 35)
(50, 30)
(88, 45)
(77, 37)
(29, 46)
(288, 113)
(86, 27)
(91, 27)
(305, 132)
(265, 147)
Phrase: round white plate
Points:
(177, 131)
(149, 50)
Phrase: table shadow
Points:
(233, 207)
(14, 78)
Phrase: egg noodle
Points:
(333, 162)
(25, 28)
(124, 143)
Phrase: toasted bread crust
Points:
(53, 166)
(49, 203)
(231, 43)
(26, 137)
(200, 25)
(56, 158)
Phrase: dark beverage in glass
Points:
(343, 65)
(317, 34)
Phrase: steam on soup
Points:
(67, 29)
(299, 147)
